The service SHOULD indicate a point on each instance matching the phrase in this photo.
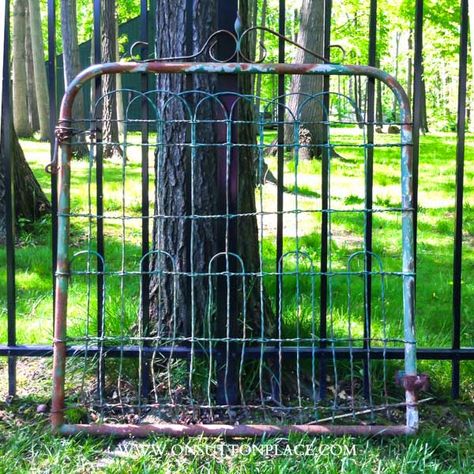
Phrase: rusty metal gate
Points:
(207, 282)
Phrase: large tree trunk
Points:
(175, 192)
(41, 84)
(173, 174)
(311, 36)
(30, 201)
(109, 101)
(247, 241)
(20, 104)
(71, 63)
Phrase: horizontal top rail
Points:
(159, 67)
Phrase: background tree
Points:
(71, 61)
(20, 101)
(310, 36)
(30, 75)
(109, 102)
(41, 83)
(30, 201)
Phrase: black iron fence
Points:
(456, 353)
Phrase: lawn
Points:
(446, 434)
(442, 446)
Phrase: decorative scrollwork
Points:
(209, 47)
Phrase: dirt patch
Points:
(468, 238)
(344, 238)
(33, 378)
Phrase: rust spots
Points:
(413, 383)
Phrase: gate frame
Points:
(410, 381)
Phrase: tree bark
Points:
(311, 36)
(110, 137)
(72, 65)
(177, 195)
(247, 229)
(41, 83)
(173, 178)
(30, 201)
(20, 104)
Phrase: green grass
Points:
(444, 446)
(446, 435)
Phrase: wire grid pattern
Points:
(270, 360)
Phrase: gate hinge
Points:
(62, 132)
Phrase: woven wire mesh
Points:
(236, 336)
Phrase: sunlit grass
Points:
(29, 446)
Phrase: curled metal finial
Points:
(208, 46)
(284, 38)
(135, 44)
(343, 51)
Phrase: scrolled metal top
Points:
(238, 37)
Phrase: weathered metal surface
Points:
(413, 383)
(60, 326)
(158, 67)
(233, 431)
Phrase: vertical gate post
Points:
(369, 182)
(145, 278)
(457, 258)
(52, 123)
(276, 379)
(324, 206)
(62, 283)
(228, 186)
(6, 139)
(100, 198)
